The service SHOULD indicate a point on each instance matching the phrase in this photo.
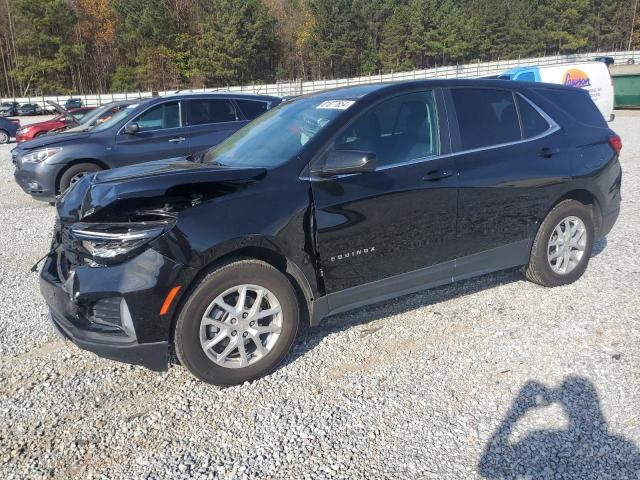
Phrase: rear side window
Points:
(577, 104)
(201, 112)
(252, 108)
(486, 117)
(533, 124)
(160, 117)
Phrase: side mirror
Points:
(342, 162)
(131, 128)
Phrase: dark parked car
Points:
(326, 203)
(150, 129)
(72, 103)
(8, 129)
(9, 109)
(30, 109)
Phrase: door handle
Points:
(435, 175)
(547, 152)
(177, 140)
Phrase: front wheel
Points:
(562, 248)
(74, 174)
(238, 324)
(4, 137)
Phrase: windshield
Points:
(278, 135)
(115, 118)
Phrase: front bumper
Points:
(38, 179)
(136, 332)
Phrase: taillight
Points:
(616, 143)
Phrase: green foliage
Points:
(88, 45)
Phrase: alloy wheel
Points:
(241, 326)
(4, 137)
(567, 245)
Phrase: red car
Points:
(34, 130)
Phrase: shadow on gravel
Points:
(599, 247)
(584, 450)
(309, 338)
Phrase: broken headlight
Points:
(109, 242)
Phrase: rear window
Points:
(252, 108)
(205, 111)
(577, 104)
(486, 117)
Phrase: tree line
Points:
(91, 46)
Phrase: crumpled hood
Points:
(148, 181)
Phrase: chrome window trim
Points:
(553, 128)
(157, 129)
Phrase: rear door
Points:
(161, 135)
(509, 171)
(210, 121)
(400, 218)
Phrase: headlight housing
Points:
(114, 242)
(39, 156)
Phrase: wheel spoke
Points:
(267, 313)
(256, 305)
(258, 343)
(244, 361)
(555, 254)
(230, 348)
(224, 305)
(242, 298)
(216, 340)
(215, 323)
(260, 329)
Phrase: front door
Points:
(161, 135)
(400, 218)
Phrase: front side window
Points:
(486, 117)
(160, 117)
(400, 130)
(205, 111)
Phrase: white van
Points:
(592, 76)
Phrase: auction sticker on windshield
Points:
(335, 104)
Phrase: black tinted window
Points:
(160, 117)
(201, 112)
(486, 117)
(577, 104)
(252, 108)
(399, 130)
(533, 123)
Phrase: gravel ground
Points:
(490, 378)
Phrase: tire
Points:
(192, 332)
(74, 173)
(547, 271)
(39, 134)
(4, 136)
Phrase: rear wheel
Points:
(4, 136)
(74, 174)
(238, 324)
(563, 245)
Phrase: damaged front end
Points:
(113, 259)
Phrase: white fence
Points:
(282, 89)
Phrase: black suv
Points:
(151, 129)
(326, 203)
